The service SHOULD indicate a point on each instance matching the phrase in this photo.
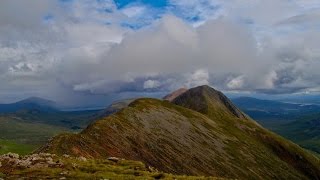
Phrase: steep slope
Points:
(218, 140)
(211, 106)
(170, 97)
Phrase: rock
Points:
(82, 158)
(64, 173)
(66, 156)
(24, 163)
(49, 159)
(13, 155)
(114, 159)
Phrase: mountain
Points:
(207, 100)
(33, 103)
(200, 133)
(170, 97)
(265, 110)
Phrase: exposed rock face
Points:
(170, 97)
(204, 134)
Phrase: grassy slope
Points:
(73, 168)
(154, 132)
(11, 146)
(27, 130)
(292, 154)
(304, 131)
(23, 137)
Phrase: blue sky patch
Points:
(153, 3)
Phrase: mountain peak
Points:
(207, 100)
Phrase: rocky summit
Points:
(201, 133)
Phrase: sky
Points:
(92, 52)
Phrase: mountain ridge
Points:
(212, 139)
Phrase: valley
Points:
(297, 122)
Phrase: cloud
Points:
(199, 77)
(151, 84)
(95, 49)
(236, 83)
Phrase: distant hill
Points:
(273, 110)
(115, 107)
(200, 133)
(33, 103)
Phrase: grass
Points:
(23, 132)
(10, 146)
(73, 168)
(23, 137)
(215, 143)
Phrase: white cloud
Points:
(85, 49)
(198, 78)
(134, 11)
(151, 84)
(236, 83)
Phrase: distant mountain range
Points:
(270, 110)
(33, 103)
(201, 132)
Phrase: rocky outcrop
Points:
(12, 161)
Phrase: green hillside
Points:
(27, 130)
(48, 166)
(11, 146)
(204, 134)
(304, 131)
(297, 122)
